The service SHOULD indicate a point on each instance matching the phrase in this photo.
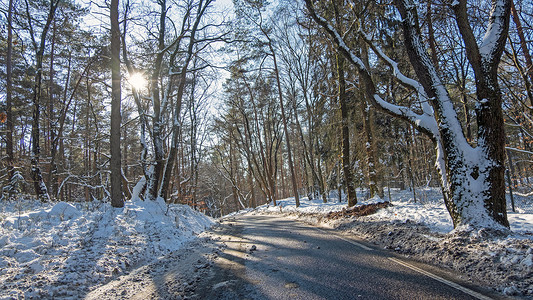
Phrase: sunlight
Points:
(137, 81)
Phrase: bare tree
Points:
(183, 71)
(269, 43)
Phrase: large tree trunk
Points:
(345, 131)
(472, 178)
(115, 165)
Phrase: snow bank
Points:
(46, 249)
(428, 209)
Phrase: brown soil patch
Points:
(358, 211)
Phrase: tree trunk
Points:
(345, 134)
(115, 164)
(374, 181)
(431, 34)
(9, 92)
(253, 199)
(38, 181)
(523, 44)
(50, 120)
(467, 204)
(156, 172)
(285, 129)
(321, 182)
(86, 146)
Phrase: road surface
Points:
(271, 257)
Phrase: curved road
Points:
(270, 257)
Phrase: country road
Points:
(272, 257)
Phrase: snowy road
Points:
(270, 257)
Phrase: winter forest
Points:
(225, 107)
(211, 107)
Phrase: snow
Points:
(429, 210)
(63, 250)
(494, 31)
(46, 249)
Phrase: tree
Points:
(9, 93)
(39, 47)
(253, 124)
(345, 130)
(472, 177)
(529, 62)
(297, 44)
(255, 10)
(115, 165)
(182, 79)
(177, 43)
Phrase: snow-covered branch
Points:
(422, 96)
(425, 123)
(429, 78)
(495, 37)
(519, 150)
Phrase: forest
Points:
(225, 106)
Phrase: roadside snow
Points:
(428, 210)
(47, 249)
(423, 230)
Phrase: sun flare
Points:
(137, 81)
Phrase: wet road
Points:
(270, 257)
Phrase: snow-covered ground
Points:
(63, 250)
(428, 210)
(423, 230)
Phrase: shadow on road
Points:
(268, 257)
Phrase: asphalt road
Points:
(271, 257)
